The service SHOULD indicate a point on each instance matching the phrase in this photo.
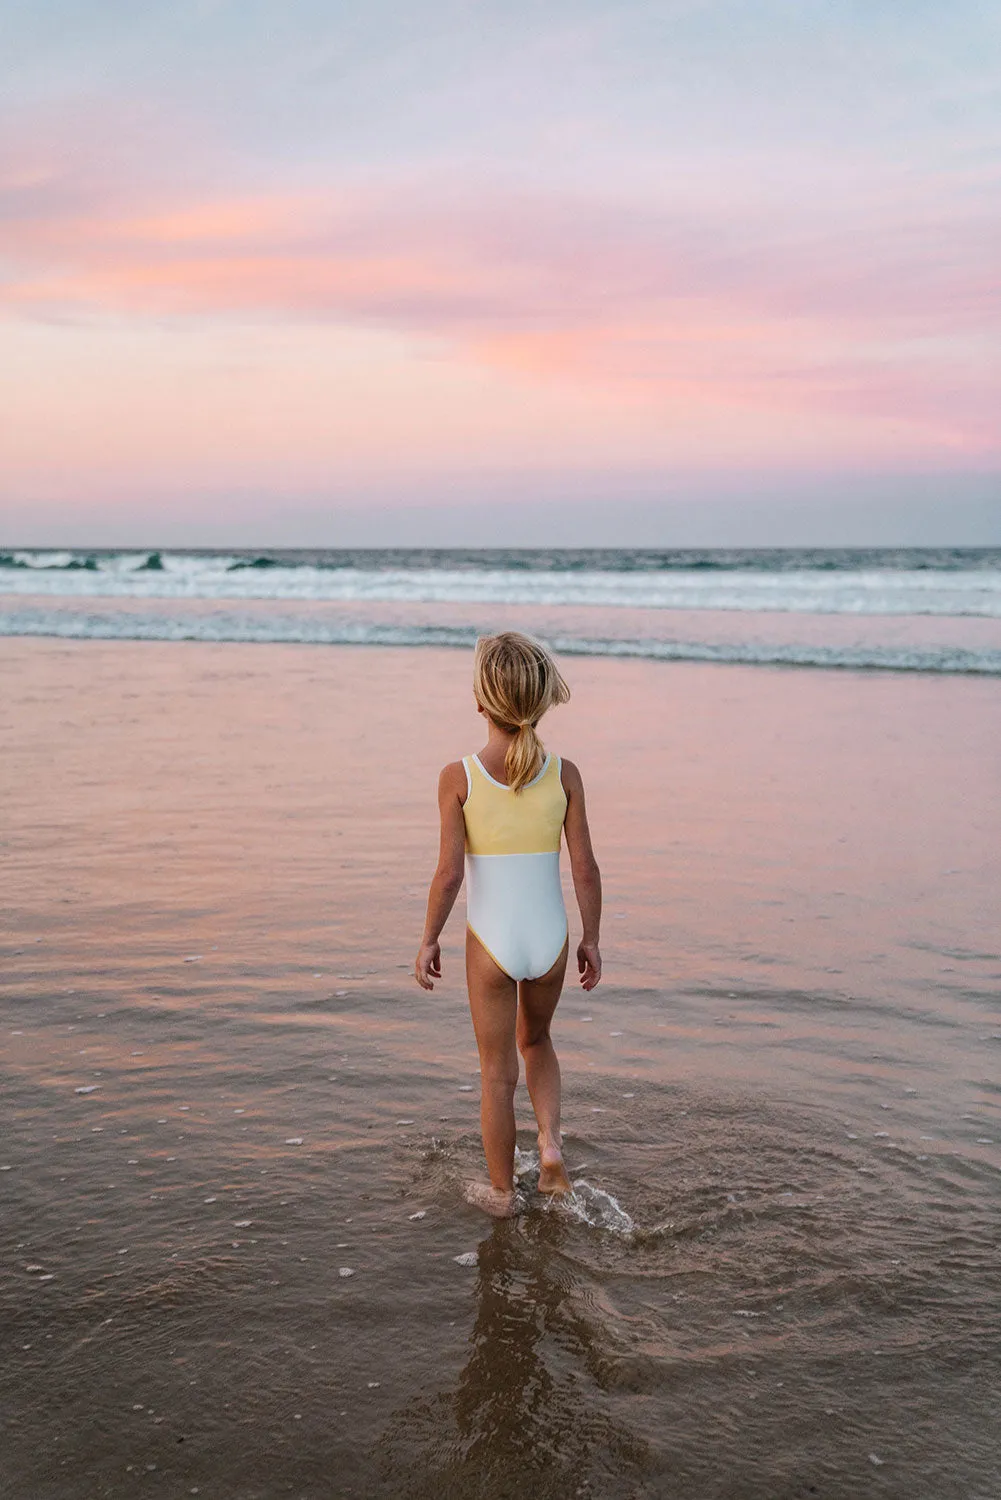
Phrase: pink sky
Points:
(195, 309)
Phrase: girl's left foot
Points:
(552, 1173)
(494, 1201)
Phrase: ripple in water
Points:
(786, 1307)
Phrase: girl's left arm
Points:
(447, 880)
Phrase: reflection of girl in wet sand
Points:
(504, 811)
(529, 1414)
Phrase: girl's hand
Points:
(427, 966)
(588, 965)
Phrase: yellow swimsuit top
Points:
(502, 821)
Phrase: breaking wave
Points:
(107, 624)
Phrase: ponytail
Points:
(524, 757)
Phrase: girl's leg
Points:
(493, 1002)
(538, 999)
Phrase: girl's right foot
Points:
(494, 1201)
(552, 1173)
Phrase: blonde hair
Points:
(515, 680)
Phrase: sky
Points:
(591, 271)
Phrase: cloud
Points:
(443, 253)
(874, 309)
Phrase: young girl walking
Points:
(503, 814)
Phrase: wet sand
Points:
(222, 1090)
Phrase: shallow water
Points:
(779, 1273)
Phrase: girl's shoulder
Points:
(570, 776)
(452, 781)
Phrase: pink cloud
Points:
(890, 319)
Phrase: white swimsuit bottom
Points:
(514, 905)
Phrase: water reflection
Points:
(527, 1409)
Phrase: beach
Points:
(338, 339)
(237, 1259)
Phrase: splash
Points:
(525, 1162)
(586, 1204)
(593, 1206)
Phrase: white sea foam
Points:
(858, 591)
(110, 626)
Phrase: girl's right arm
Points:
(447, 881)
(586, 876)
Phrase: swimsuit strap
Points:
(547, 762)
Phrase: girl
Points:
(505, 810)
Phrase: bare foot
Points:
(494, 1201)
(552, 1173)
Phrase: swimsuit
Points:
(514, 900)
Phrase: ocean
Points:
(930, 610)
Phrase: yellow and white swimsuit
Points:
(514, 900)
